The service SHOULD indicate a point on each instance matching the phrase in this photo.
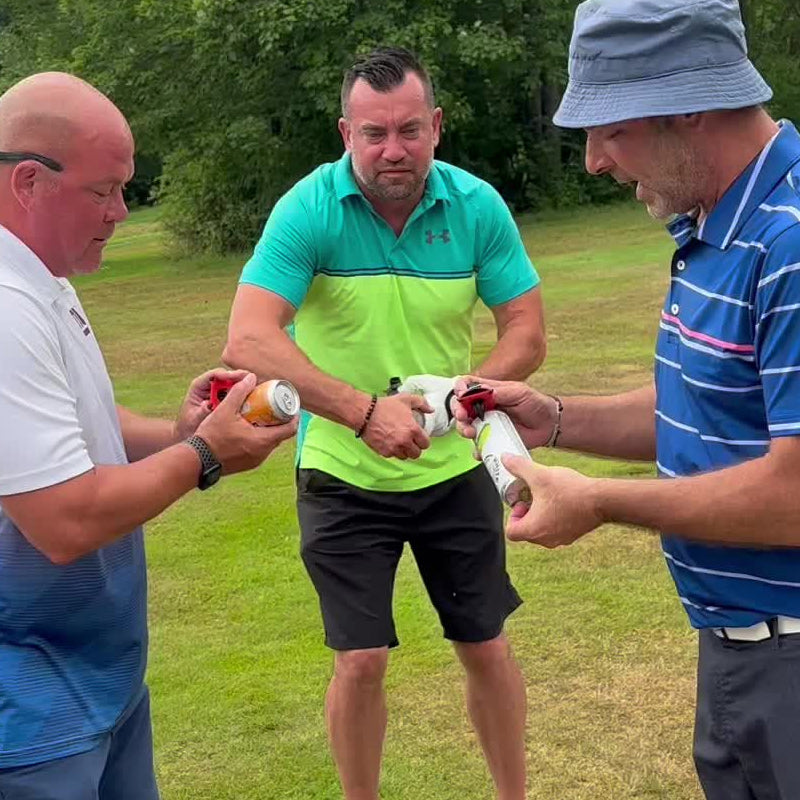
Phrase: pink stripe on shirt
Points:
(704, 337)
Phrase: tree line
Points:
(231, 101)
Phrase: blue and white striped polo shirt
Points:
(728, 374)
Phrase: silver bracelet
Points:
(552, 441)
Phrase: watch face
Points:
(210, 476)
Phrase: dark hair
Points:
(385, 69)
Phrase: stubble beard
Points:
(681, 188)
(391, 190)
(679, 197)
(660, 208)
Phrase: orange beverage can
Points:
(271, 403)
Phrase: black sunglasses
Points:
(15, 158)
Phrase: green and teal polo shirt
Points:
(372, 305)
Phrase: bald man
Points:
(79, 475)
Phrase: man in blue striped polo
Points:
(671, 103)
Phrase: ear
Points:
(345, 129)
(437, 125)
(24, 183)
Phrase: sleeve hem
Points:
(45, 478)
(280, 292)
(499, 300)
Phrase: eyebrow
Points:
(372, 127)
(114, 180)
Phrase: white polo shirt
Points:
(57, 412)
(73, 637)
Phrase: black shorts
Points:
(352, 540)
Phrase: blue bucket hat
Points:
(630, 59)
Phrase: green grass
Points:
(238, 667)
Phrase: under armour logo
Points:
(430, 236)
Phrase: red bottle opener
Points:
(219, 388)
(477, 400)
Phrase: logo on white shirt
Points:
(84, 325)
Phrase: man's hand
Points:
(237, 444)
(562, 507)
(393, 432)
(195, 407)
(437, 391)
(534, 414)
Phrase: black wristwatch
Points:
(210, 469)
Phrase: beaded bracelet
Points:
(368, 416)
(553, 440)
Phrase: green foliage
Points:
(774, 33)
(239, 98)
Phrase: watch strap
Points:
(208, 460)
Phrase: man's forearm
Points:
(279, 357)
(144, 436)
(620, 426)
(128, 496)
(518, 352)
(751, 504)
(77, 517)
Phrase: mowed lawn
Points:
(238, 667)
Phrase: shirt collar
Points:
(345, 183)
(18, 257)
(343, 179)
(746, 193)
(436, 186)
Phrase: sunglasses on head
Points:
(17, 157)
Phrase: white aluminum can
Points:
(496, 436)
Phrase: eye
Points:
(615, 133)
(412, 132)
(101, 195)
(373, 136)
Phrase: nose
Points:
(117, 210)
(393, 149)
(597, 160)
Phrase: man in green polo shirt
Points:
(378, 260)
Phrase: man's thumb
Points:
(237, 394)
(419, 403)
(521, 467)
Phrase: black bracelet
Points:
(367, 417)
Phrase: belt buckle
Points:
(776, 626)
(752, 633)
(787, 625)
